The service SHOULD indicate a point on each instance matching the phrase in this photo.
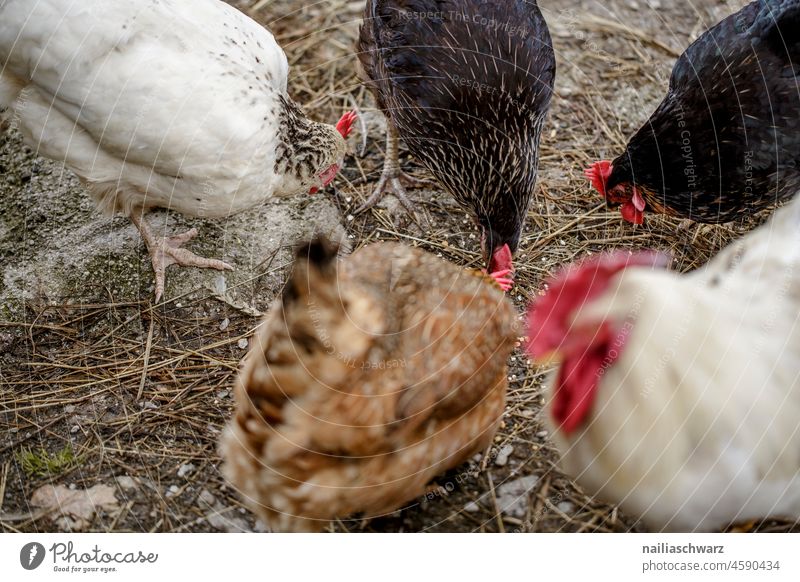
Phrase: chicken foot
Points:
(393, 178)
(167, 251)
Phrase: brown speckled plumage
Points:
(367, 379)
(304, 145)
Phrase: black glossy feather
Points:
(726, 139)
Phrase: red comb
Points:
(345, 125)
(575, 285)
(598, 174)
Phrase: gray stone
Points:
(512, 497)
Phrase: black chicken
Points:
(467, 85)
(726, 139)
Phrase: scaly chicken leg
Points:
(393, 178)
(167, 251)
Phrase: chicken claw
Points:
(167, 251)
(393, 178)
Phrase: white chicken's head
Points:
(338, 147)
(309, 154)
(562, 328)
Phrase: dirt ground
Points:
(99, 388)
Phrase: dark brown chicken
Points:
(725, 141)
(369, 377)
(467, 85)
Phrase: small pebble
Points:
(224, 325)
(472, 507)
(565, 507)
(127, 483)
(185, 470)
(512, 496)
(220, 285)
(542, 433)
(207, 497)
(502, 456)
(243, 343)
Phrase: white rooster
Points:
(678, 396)
(177, 104)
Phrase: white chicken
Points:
(177, 104)
(678, 396)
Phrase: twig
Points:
(146, 363)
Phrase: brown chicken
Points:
(370, 377)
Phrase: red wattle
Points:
(501, 267)
(502, 260)
(575, 392)
(631, 213)
(581, 371)
(638, 201)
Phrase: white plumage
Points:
(178, 104)
(697, 424)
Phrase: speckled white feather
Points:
(155, 103)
